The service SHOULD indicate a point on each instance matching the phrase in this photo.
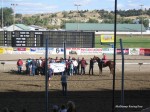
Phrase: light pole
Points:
(14, 6)
(141, 20)
(77, 5)
(2, 15)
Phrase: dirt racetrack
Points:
(90, 93)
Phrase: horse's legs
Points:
(111, 69)
(100, 69)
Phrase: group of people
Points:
(73, 66)
(70, 107)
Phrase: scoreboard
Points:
(19, 42)
(26, 39)
(73, 39)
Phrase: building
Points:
(98, 27)
(17, 27)
(38, 28)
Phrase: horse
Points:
(101, 65)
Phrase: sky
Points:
(51, 6)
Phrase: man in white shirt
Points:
(75, 64)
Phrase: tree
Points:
(7, 16)
(92, 21)
(148, 12)
(65, 14)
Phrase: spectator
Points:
(34, 65)
(63, 108)
(50, 74)
(39, 66)
(19, 65)
(43, 66)
(57, 60)
(55, 108)
(67, 67)
(71, 106)
(28, 66)
(71, 68)
(64, 82)
(91, 65)
(83, 65)
(75, 64)
(78, 67)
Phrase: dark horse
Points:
(101, 64)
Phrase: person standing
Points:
(50, 74)
(19, 65)
(34, 65)
(78, 67)
(71, 68)
(91, 66)
(75, 64)
(83, 65)
(64, 78)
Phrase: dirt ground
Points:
(90, 93)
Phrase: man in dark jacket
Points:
(83, 65)
(91, 66)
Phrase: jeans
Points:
(75, 70)
(91, 68)
(19, 69)
(82, 70)
(71, 71)
(64, 88)
(33, 70)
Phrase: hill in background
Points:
(58, 19)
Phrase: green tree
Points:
(92, 21)
(65, 14)
(7, 16)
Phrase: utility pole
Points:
(14, 6)
(77, 5)
(141, 20)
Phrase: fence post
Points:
(122, 81)
(46, 75)
(3, 63)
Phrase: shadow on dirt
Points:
(86, 101)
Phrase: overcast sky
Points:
(49, 6)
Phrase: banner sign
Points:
(125, 51)
(108, 50)
(134, 51)
(21, 49)
(8, 50)
(57, 51)
(58, 67)
(91, 51)
(40, 50)
(107, 38)
(33, 49)
(2, 50)
(144, 52)
(75, 51)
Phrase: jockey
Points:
(104, 59)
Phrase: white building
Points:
(17, 27)
(39, 28)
